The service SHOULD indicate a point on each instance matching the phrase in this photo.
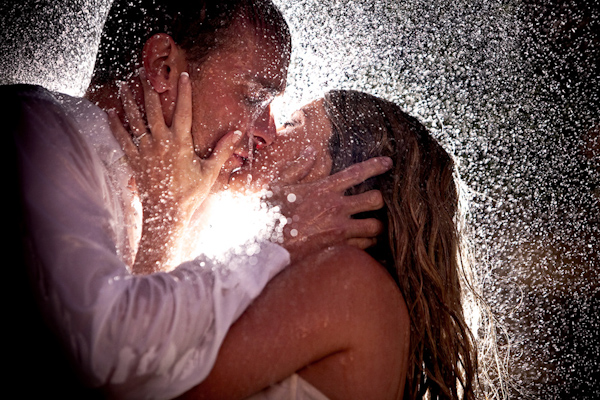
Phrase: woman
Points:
(420, 245)
(421, 250)
(343, 323)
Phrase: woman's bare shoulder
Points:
(353, 261)
(374, 322)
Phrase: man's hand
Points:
(318, 213)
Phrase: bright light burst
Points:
(235, 224)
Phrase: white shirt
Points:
(149, 336)
(292, 388)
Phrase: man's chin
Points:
(241, 181)
(236, 180)
(222, 182)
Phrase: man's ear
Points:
(163, 61)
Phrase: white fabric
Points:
(293, 388)
(140, 337)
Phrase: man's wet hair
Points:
(198, 27)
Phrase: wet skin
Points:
(308, 128)
(232, 90)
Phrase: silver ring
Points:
(137, 139)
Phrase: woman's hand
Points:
(171, 179)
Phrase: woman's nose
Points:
(263, 130)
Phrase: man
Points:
(155, 335)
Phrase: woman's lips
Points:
(237, 160)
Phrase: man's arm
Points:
(135, 336)
(319, 213)
(336, 317)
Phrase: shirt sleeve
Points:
(151, 336)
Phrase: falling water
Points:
(509, 87)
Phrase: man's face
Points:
(232, 90)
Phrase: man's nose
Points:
(263, 129)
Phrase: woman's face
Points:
(306, 134)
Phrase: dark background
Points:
(510, 87)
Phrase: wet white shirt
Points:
(149, 336)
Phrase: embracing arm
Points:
(135, 336)
(337, 318)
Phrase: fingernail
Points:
(387, 161)
(185, 77)
(237, 134)
(142, 73)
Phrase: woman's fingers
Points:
(182, 118)
(223, 151)
(121, 134)
(154, 112)
(132, 112)
(356, 174)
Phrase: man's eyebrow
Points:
(267, 84)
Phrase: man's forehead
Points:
(260, 63)
(267, 79)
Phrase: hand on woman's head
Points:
(296, 168)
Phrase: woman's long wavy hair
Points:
(421, 250)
